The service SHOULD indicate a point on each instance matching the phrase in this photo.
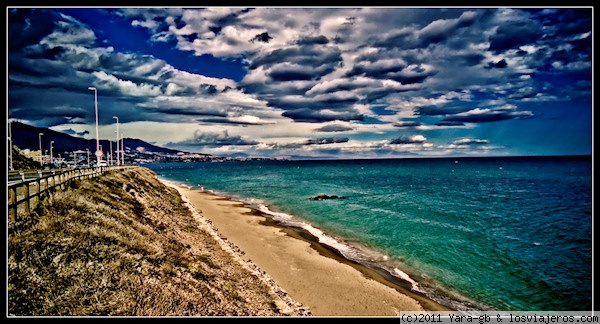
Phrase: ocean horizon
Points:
(473, 233)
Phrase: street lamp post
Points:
(51, 160)
(97, 137)
(41, 148)
(11, 145)
(117, 118)
(122, 149)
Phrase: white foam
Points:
(328, 240)
(276, 215)
(402, 275)
(322, 238)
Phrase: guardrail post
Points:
(12, 202)
(22, 176)
(32, 204)
(26, 197)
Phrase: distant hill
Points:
(27, 137)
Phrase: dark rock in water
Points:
(324, 197)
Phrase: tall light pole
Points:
(117, 118)
(123, 149)
(110, 161)
(41, 147)
(51, 161)
(11, 145)
(97, 137)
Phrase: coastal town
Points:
(52, 149)
(84, 158)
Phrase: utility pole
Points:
(41, 148)
(51, 160)
(122, 149)
(117, 118)
(97, 153)
(11, 145)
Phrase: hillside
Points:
(27, 137)
(20, 162)
(125, 244)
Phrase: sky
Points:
(309, 82)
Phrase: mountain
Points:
(27, 137)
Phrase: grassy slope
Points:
(124, 244)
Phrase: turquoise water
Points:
(471, 233)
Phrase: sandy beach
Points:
(323, 281)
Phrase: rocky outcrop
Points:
(325, 197)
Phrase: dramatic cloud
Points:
(327, 140)
(334, 128)
(260, 81)
(478, 115)
(216, 139)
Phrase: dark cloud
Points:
(488, 115)
(395, 71)
(470, 59)
(566, 21)
(449, 123)
(29, 26)
(316, 40)
(439, 111)
(440, 30)
(186, 112)
(229, 121)
(290, 73)
(215, 140)
(514, 34)
(264, 37)
(437, 31)
(376, 70)
(334, 128)
(469, 142)
(327, 140)
(334, 103)
(309, 56)
(403, 39)
(499, 65)
(190, 37)
(317, 116)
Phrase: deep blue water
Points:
(473, 233)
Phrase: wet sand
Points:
(313, 274)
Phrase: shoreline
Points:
(316, 275)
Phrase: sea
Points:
(473, 233)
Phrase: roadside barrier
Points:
(26, 188)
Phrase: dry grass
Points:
(124, 245)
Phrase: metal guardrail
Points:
(26, 188)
